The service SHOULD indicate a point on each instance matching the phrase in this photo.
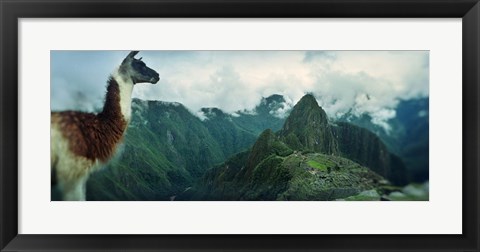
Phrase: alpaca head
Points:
(137, 71)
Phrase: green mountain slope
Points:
(408, 136)
(226, 132)
(168, 153)
(283, 174)
(264, 116)
(307, 128)
(303, 161)
(166, 148)
(364, 147)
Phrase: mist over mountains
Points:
(213, 129)
(171, 154)
(407, 137)
(362, 82)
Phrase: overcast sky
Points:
(365, 81)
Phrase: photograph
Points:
(239, 125)
(231, 125)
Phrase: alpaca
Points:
(82, 142)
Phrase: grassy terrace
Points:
(317, 165)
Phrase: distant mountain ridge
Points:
(264, 116)
(308, 128)
(308, 159)
(168, 151)
(166, 148)
(408, 136)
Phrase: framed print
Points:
(209, 125)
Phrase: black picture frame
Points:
(12, 10)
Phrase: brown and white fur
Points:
(82, 142)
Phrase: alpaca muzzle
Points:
(155, 79)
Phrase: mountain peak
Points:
(275, 98)
(271, 105)
(308, 100)
(307, 111)
(307, 127)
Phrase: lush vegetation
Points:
(407, 137)
(308, 159)
(166, 148)
(170, 154)
(317, 165)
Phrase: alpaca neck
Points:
(118, 98)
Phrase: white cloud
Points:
(201, 115)
(369, 82)
(357, 81)
(282, 109)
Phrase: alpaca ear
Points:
(130, 56)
